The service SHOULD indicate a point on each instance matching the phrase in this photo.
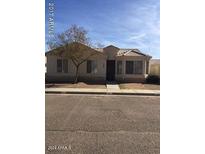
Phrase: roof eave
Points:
(48, 52)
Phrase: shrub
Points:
(154, 79)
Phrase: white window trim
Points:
(134, 66)
(93, 70)
(62, 65)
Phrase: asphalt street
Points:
(102, 124)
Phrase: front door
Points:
(110, 74)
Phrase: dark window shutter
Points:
(88, 66)
(59, 65)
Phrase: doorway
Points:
(110, 71)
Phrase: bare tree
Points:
(100, 45)
(72, 44)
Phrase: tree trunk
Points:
(76, 75)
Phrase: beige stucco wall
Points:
(52, 73)
(111, 52)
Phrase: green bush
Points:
(154, 79)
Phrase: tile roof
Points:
(125, 51)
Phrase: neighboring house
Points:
(108, 64)
(154, 67)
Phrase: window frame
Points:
(126, 65)
(119, 69)
(62, 67)
(92, 67)
(138, 69)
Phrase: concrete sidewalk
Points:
(103, 91)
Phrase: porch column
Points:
(144, 67)
(147, 66)
(123, 69)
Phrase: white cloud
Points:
(136, 37)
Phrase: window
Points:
(91, 66)
(62, 65)
(65, 65)
(129, 67)
(94, 66)
(59, 65)
(134, 67)
(88, 66)
(119, 67)
(137, 67)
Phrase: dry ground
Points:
(139, 86)
(103, 85)
(77, 85)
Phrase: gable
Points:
(133, 53)
(111, 46)
(111, 51)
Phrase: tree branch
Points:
(87, 58)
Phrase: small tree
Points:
(100, 45)
(73, 44)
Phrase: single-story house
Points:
(108, 64)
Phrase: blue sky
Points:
(123, 23)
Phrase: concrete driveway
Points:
(97, 124)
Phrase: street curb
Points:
(101, 93)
